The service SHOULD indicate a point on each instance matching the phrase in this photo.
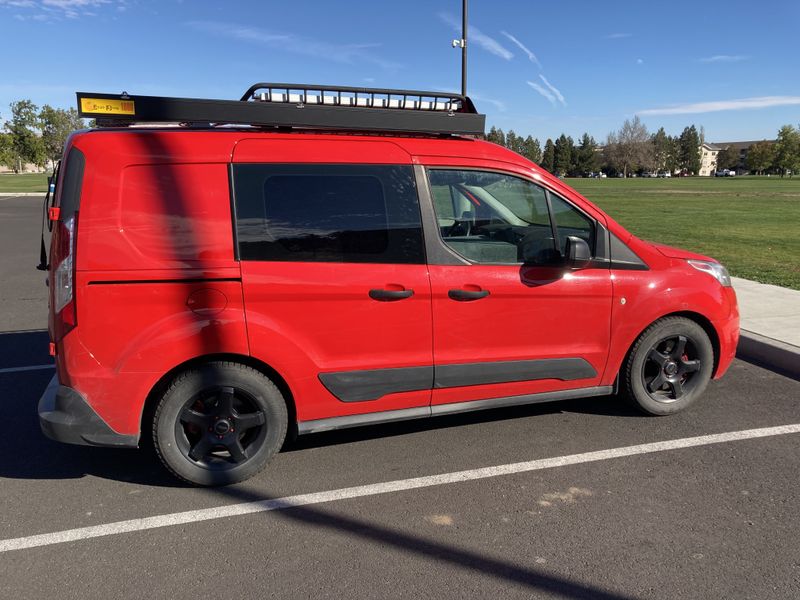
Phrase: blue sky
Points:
(541, 68)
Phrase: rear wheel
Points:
(668, 367)
(219, 423)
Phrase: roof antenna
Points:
(462, 43)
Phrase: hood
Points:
(671, 252)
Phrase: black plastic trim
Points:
(358, 386)
(65, 416)
(405, 414)
(372, 384)
(138, 281)
(564, 369)
(624, 258)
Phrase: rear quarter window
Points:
(327, 213)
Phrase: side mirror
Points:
(578, 253)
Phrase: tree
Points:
(787, 151)
(26, 146)
(586, 159)
(57, 124)
(7, 156)
(494, 136)
(549, 156)
(532, 150)
(630, 147)
(562, 155)
(514, 142)
(760, 157)
(689, 153)
(663, 151)
(727, 158)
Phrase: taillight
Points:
(64, 274)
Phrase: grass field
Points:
(25, 182)
(750, 224)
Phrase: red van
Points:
(307, 259)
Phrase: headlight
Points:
(714, 269)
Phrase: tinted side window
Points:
(327, 213)
(70, 192)
(570, 221)
(493, 218)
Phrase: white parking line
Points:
(32, 368)
(246, 508)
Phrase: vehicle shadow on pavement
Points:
(36, 457)
(26, 452)
(430, 549)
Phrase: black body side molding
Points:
(360, 386)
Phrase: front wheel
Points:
(668, 367)
(219, 423)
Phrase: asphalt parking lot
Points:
(717, 517)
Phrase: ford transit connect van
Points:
(314, 258)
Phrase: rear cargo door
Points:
(336, 291)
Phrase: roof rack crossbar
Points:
(298, 106)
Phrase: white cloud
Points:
(521, 46)
(639, 61)
(546, 93)
(553, 89)
(721, 105)
(56, 9)
(724, 58)
(474, 34)
(618, 36)
(289, 42)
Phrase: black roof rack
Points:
(297, 105)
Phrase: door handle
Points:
(467, 295)
(390, 295)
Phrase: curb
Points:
(20, 194)
(767, 352)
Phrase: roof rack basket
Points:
(297, 106)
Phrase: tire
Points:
(668, 367)
(219, 423)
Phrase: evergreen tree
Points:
(548, 156)
(493, 136)
(562, 158)
(586, 156)
(662, 150)
(532, 150)
(689, 156)
(501, 137)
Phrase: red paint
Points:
(157, 284)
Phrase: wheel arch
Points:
(163, 383)
(698, 318)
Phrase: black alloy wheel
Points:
(220, 427)
(668, 367)
(219, 423)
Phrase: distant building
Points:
(742, 148)
(708, 158)
(709, 152)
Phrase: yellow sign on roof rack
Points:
(106, 106)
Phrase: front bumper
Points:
(66, 416)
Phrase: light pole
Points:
(462, 43)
